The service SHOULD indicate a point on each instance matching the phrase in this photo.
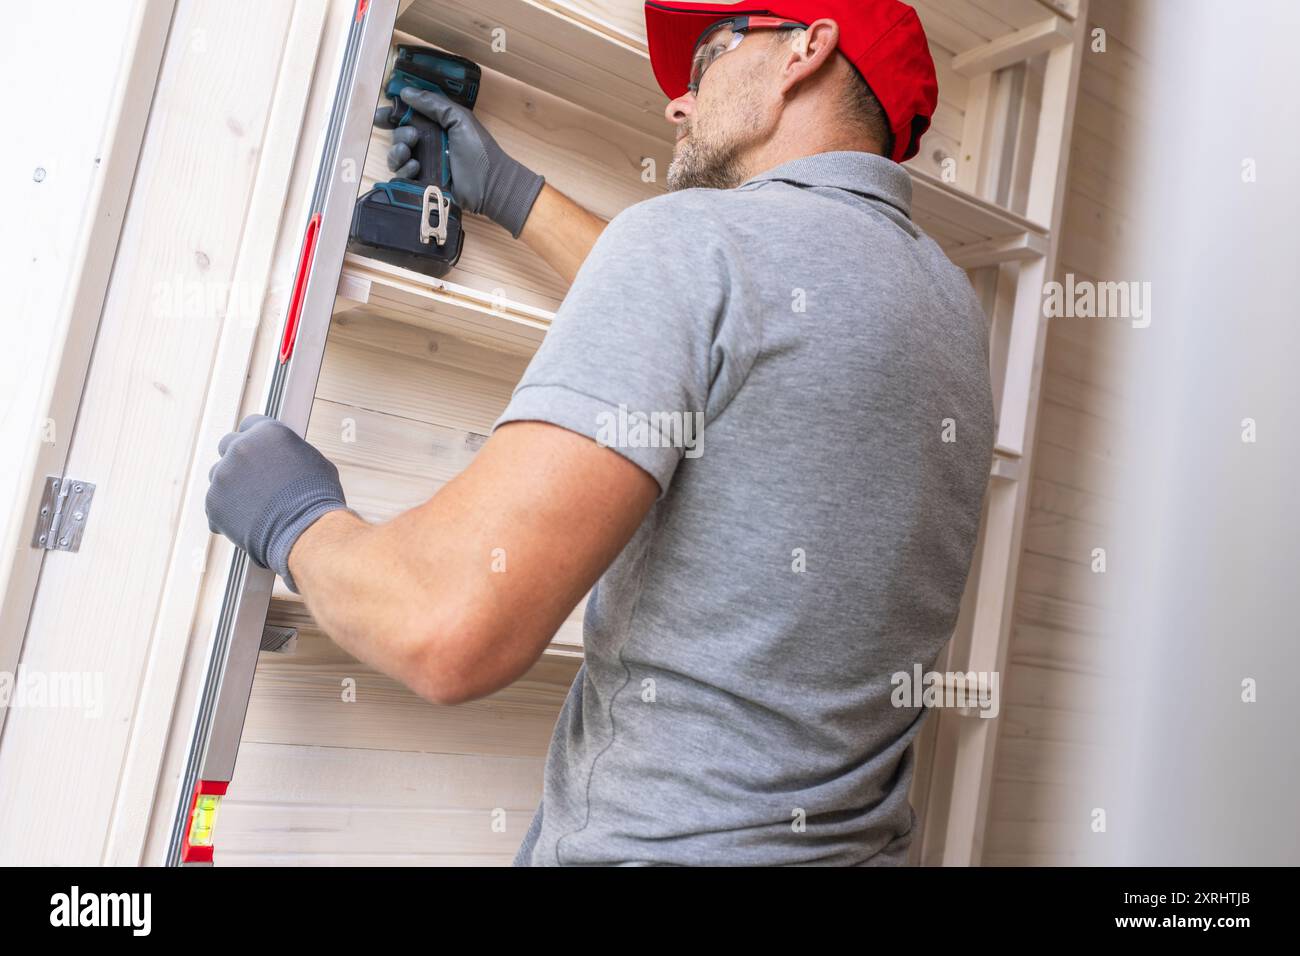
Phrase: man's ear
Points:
(809, 52)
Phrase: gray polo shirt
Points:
(805, 375)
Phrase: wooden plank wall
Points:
(341, 765)
(1039, 814)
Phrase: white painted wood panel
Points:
(66, 187)
(167, 307)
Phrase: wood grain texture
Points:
(1040, 805)
(67, 218)
(486, 319)
(320, 696)
(302, 806)
(254, 277)
(1023, 44)
(136, 431)
(553, 46)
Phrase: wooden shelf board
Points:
(969, 23)
(934, 198)
(416, 299)
(1019, 247)
(1014, 48)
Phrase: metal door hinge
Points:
(65, 506)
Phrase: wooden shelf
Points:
(960, 26)
(1014, 48)
(592, 53)
(973, 231)
(411, 298)
(565, 48)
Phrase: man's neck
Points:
(783, 149)
(767, 162)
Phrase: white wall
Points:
(1125, 687)
(1207, 565)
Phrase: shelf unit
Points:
(1022, 84)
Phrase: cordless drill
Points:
(415, 223)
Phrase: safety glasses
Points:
(725, 36)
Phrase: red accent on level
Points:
(197, 854)
(200, 854)
(299, 288)
(361, 9)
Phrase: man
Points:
(786, 514)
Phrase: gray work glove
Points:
(268, 487)
(484, 179)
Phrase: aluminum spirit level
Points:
(223, 702)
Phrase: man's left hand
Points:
(267, 489)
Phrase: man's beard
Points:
(703, 165)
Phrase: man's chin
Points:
(678, 177)
(695, 178)
(686, 172)
(694, 167)
(689, 164)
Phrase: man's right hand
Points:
(485, 179)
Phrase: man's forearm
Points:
(358, 584)
(561, 231)
(425, 597)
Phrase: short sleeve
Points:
(629, 359)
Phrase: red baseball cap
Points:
(884, 39)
